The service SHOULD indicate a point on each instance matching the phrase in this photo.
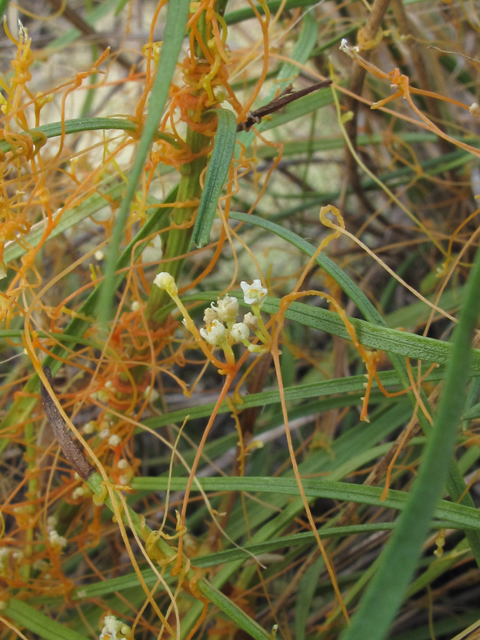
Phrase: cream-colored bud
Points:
(251, 321)
(239, 332)
(166, 281)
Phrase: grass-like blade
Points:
(172, 42)
(80, 125)
(216, 175)
(38, 623)
(459, 514)
(384, 594)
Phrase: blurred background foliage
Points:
(120, 158)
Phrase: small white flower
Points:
(89, 428)
(104, 433)
(125, 479)
(254, 293)
(101, 396)
(99, 255)
(210, 315)
(153, 394)
(40, 565)
(4, 555)
(114, 440)
(56, 540)
(122, 464)
(166, 282)
(135, 305)
(51, 522)
(226, 309)
(114, 629)
(239, 332)
(78, 493)
(474, 110)
(215, 333)
(251, 321)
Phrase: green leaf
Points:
(399, 558)
(297, 393)
(306, 591)
(29, 618)
(458, 514)
(172, 43)
(372, 336)
(472, 413)
(301, 52)
(216, 176)
(79, 125)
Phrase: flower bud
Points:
(239, 332)
(251, 321)
(166, 281)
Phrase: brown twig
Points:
(255, 117)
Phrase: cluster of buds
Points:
(53, 537)
(102, 428)
(115, 629)
(221, 326)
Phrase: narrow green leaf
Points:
(384, 595)
(472, 413)
(458, 514)
(216, 176)
(29, 618)
(409, 345)
(172, 43)
(301, 52)
(297, 393)
(306, 591)
(233, 611)
(79, 125)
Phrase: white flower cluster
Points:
(53, 537)
(114, 629)
(220, 319)
(350, 51)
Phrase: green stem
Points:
(178, 241)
